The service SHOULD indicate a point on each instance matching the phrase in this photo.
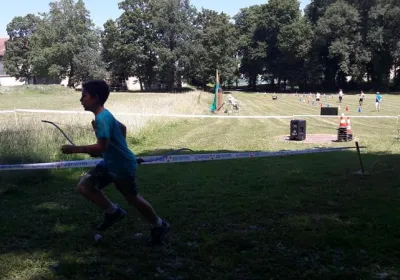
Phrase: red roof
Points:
(2, 46)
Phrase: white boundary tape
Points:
(7, 111)
(196, 116)
(50, 111)
(355, 116)
(170, 159)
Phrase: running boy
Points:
(118, 165)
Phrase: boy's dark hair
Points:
(97, 88)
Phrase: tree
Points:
(65, 42)
(151, 40)
(278, 14)
(316, 9)
(130, 42)
(214, 48)
(338, 38)
(18, 55)
(384, 41)
(173, 21)
(294, 43)
(252, 48)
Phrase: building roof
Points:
(2, 46)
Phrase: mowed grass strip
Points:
(298, 217)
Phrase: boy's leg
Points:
(159, 227)
(90, 187)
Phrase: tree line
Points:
(348, 44)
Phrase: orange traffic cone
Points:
(342, 131)
(349, 131)
(342, 122)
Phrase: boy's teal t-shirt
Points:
(119, 160)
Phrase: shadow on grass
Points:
(294, 217)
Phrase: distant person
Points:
(232, 100)
(340, 95)
(318, 97)
(378, 101)
(362, 97)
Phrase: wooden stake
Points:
(359, 157)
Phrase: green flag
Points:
(214, 104)
(216, 88)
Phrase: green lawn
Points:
(297, 217)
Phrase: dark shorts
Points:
(317, 99)
(99, 177)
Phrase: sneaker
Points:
(110, 219)
(158, 233)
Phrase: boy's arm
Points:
(104, 133)
(102, 144)
(94, 150)
(90, 147)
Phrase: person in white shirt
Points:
(318, 97)
(232, 100)
(362, 97)
(340, 95)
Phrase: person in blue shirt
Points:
(118, 165)
(378, 100)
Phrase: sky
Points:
(102, 10)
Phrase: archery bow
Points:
(139, 160)
(65, 135)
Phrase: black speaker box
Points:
(329, 111)
(297, 130)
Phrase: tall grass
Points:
(24, 138)
(34, 89)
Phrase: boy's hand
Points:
(68, 149)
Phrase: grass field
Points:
(297, 217)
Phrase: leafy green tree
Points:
(173, 21)
(130, 43)
(338, 37)
(18, 55)
(64, 40)
(316, 9)
(214, 48)
(294, 43)
(275, 16)
(384, 41)
(252, 48)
